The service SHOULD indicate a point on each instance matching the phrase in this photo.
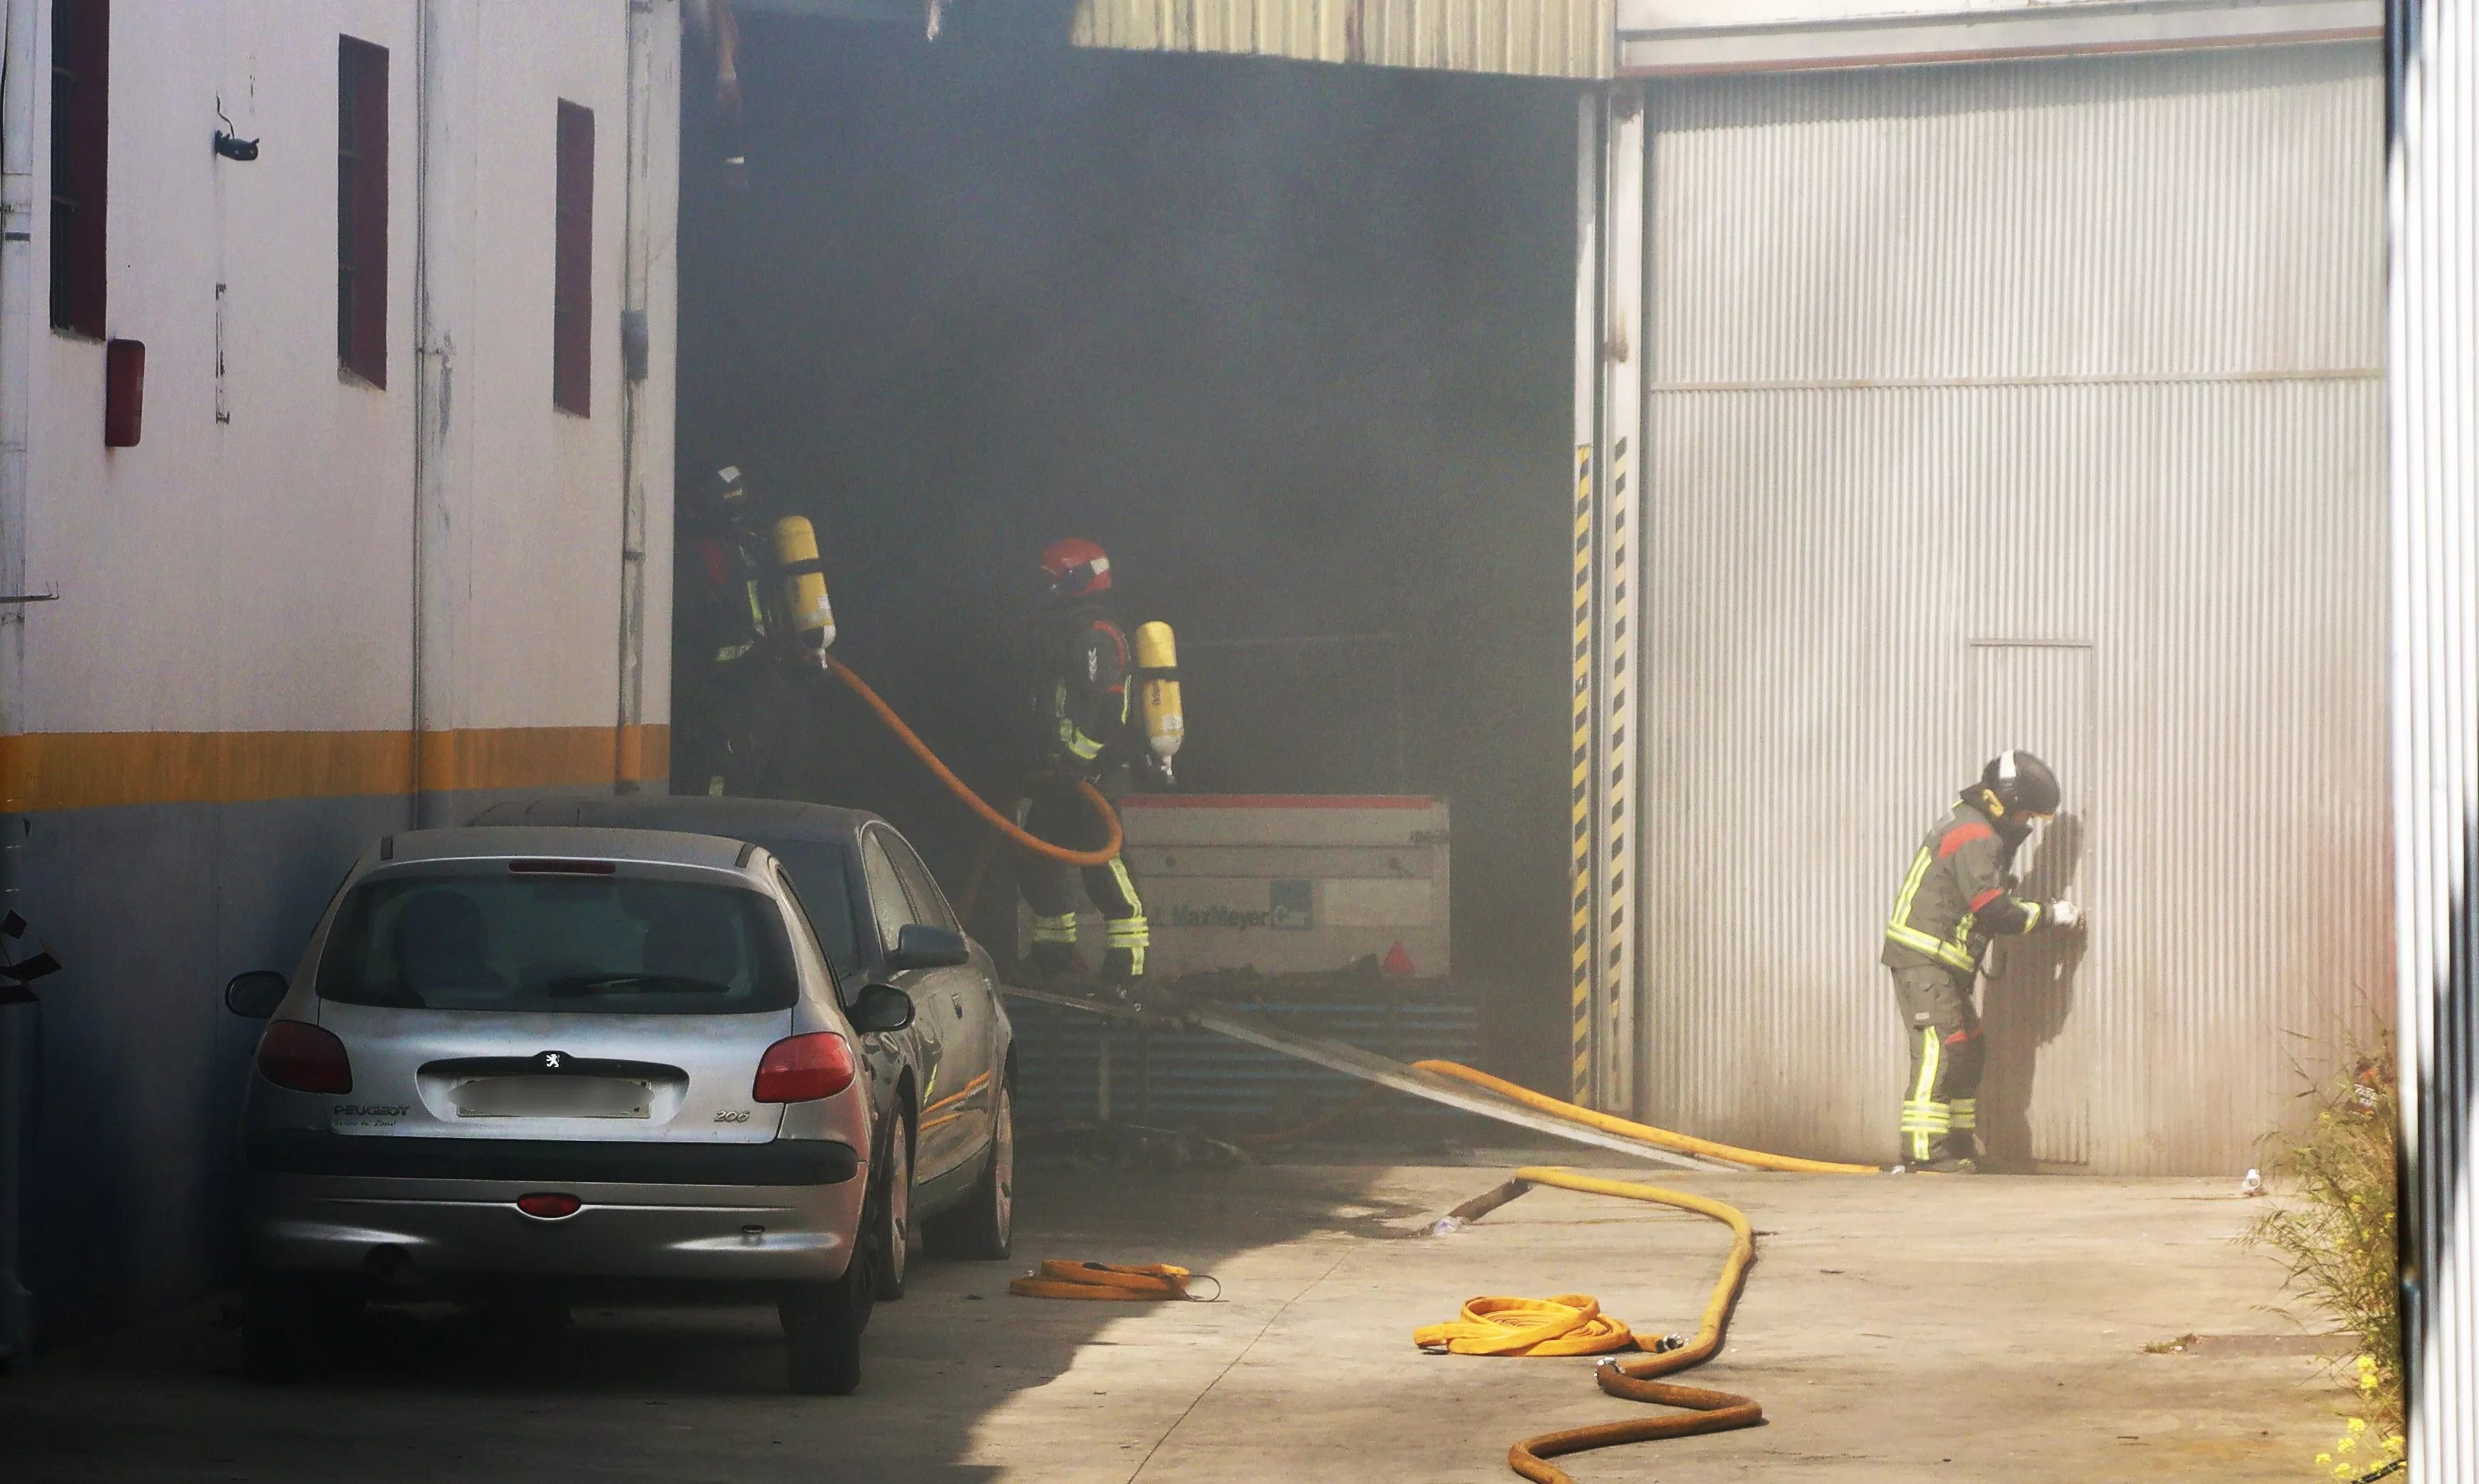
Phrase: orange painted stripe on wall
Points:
(85, 770)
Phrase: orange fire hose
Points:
(1124, 1282)
(979, 805)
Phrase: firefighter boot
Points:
(1053, 960)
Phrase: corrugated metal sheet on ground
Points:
(1198, 1077)
(2435, 358)
(1954, 367)
(1528, 37)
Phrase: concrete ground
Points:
(1894, 1327)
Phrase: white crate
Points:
(1287, 884)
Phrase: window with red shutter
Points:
(81, 118)
(362, 209)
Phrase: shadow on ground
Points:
(438, 1391)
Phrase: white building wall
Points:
(293, 572)
(255, 574)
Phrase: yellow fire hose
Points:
(1685, 1144)
(975, 802)
(1573, 1325)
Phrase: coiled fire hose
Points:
(1573, 1325)
(996, 820)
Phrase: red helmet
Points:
(1077, 568)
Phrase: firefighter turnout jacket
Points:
(1958, 894)
(1081, 690)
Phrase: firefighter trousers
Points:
(1057, 811)
(1941, 1102)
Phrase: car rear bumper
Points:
(786, 1211)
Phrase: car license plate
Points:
(553, 1097)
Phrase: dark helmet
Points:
(2020, 785)
(1076, 568)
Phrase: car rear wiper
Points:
(573, 986)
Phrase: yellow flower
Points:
(2358, 1426)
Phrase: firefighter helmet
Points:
(1077, 568)
(2021, 783)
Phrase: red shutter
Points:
(80, 129)
(362, 209)
(572, 314)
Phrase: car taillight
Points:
(804, 1068)
(298, 1055)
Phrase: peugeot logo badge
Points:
(552, 1061)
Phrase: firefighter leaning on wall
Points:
(1956, 895)
(1080, 695)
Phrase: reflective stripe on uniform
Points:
(1127, 932)
(1127, 887)
(1956, 953)
(1965, 1115)
(1924, 1117)
(1060, 928)
(1070, 735)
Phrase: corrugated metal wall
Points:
(1529, 37)
(2434, 350)
(1952, 368)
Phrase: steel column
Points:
(2432, 361)
(1584, 874)
(1621, 436)
(18, 330)
(1609, 423)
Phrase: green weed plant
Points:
(2338, 1233)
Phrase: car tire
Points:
(983, 1226)
(893, 1231)
(280, 1326)
(822, 1328)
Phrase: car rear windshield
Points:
(608, 944)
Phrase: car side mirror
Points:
(880, 1008)
(921, 946)
(256, 993)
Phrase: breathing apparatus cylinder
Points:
(1157, 695)
(805, 584)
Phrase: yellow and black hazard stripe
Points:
(1581, 809)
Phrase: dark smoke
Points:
(1293, 341)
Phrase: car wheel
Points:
(894, 1238)
(280, 1326)
(822, 1329)
(983, 1227)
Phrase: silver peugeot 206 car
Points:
(546, 1061)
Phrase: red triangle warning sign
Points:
(1397, 962)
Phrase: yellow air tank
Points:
(805, 584)
(1157, 695)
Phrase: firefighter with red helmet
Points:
(1960, 892)
(1080, 705)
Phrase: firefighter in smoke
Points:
(1080, 695)
(1958, 893)
(754, 625)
